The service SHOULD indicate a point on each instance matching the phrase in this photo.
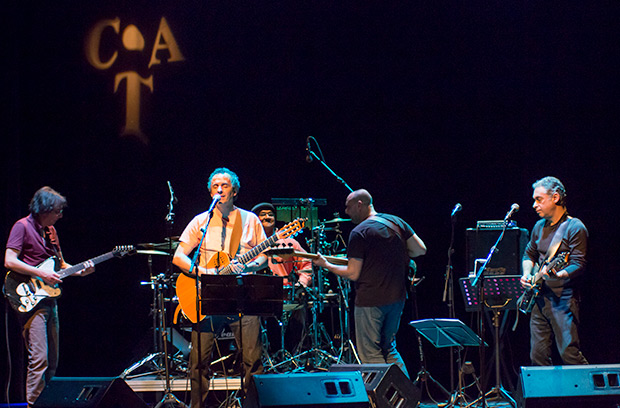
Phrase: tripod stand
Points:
(155, 360)
(446, 333)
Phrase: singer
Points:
(233, 231)
(556, 312)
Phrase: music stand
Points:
(252, 295)
(502, 290)
(448, 333)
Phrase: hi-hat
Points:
(335, 220)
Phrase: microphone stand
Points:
(169, 400)
(193, 269)
(312, 154)
(480, 278)
(448, 295)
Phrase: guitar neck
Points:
(332, 259)
(81, 266)
(251, 254)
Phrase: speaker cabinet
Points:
(506, 260)
(570, 386)
(307, 390)
(98, 392)
(386, 384)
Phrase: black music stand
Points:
(448, 333)
(252, 295)
(500, 292)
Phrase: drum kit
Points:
(324, 300)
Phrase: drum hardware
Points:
(159, 283)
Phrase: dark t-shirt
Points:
(25, 238)
(575, 240)
(385, 261)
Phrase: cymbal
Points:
(162, 245)
(151, 252)
(335, 220)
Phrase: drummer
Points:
(294, 269)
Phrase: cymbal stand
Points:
(348, 353)
(155, 357)
(316, 356)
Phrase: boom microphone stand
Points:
(310, 155)
(169, 400)
(448, 292)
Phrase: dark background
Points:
(425, 104)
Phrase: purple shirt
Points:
(26, 239)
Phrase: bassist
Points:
(32, 240)
(555, 315)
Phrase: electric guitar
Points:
(24, 292)
(526, 301)
(219, 264)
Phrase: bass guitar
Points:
(219, 264)
(287, 251)
(24, 292)
(526, 301)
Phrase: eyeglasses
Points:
(59, 212)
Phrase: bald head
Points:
(359, 205)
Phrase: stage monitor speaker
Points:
(95, 392)
(570, 386)
(307, 390)
(386, 384)
(506, 260)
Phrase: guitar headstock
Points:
(292, 228)
(120, 251)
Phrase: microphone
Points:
(216, 199)
(308, 150)
(458, 207)
(173, 198)
(513, 209)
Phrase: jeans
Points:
(557, 317)
(375, 333)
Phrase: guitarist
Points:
(555, 316)
(379, 250)
(234, 231)
(32, 240)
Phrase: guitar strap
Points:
(557, 239)
(235, 238)
(397, 230)
(52, 236)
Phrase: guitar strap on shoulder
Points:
(390, 225)
(235, 238)
(557, 239)
(397, 230)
